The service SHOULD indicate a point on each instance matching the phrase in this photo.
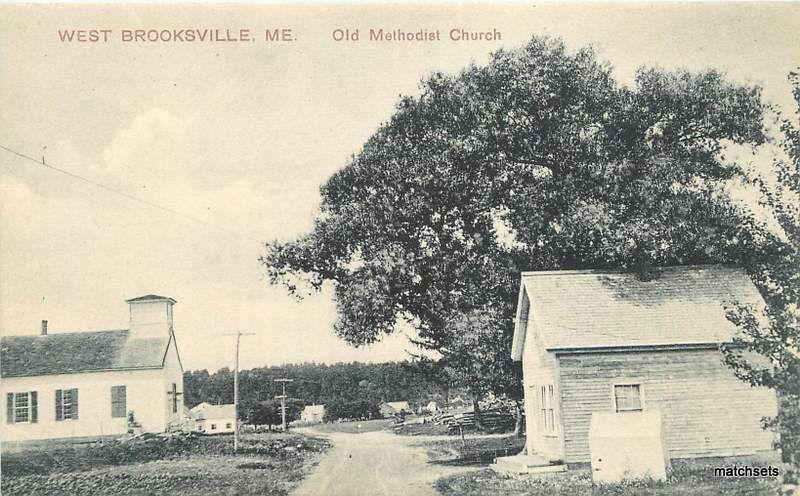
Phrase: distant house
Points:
(214, 419)
(87, 384)
(390, 408)
(595, 341)
(313, 414)
(432, 407)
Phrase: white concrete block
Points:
(627, 445)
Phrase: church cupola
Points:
(151, 316)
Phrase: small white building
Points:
(594, 341)
(313, 414)
(390, 408)
(88, 384)
(214, 419)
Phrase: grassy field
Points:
(689, 478)
(426, 429)
(271, 464)
(355, 427)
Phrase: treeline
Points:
(339, 409)
(346, 387)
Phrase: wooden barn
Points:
(595, 341)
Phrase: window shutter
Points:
(540, 404)
(10, 408)
(74, 394)
(34, 407)
(118, 401)
(59, 409)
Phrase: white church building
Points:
(88, 384)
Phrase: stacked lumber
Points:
(442, 418)
(492, 420)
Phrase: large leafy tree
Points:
(477, 357)
(537, 160)
(774, 332)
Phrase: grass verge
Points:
(270, 464)
(689, 478)
(473, 450)
(426, 429)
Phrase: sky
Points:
(240, 135)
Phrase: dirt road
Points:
(374, 464)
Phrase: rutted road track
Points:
(374, 464)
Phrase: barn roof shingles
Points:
(681, 305)
(70, 353)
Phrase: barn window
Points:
(229, 426)
(213, 427)
(628, 397)
(67, 404)
(547, 417)
(21, 407)
(118, 401)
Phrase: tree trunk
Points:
(476, 408)
(519, 426)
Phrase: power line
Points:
(129, 196)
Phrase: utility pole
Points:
(283, 400)
(238, 335)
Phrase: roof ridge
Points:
(150, 297)
(67, 333)
(621, 270)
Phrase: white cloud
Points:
(86, 249)
(151, 155)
